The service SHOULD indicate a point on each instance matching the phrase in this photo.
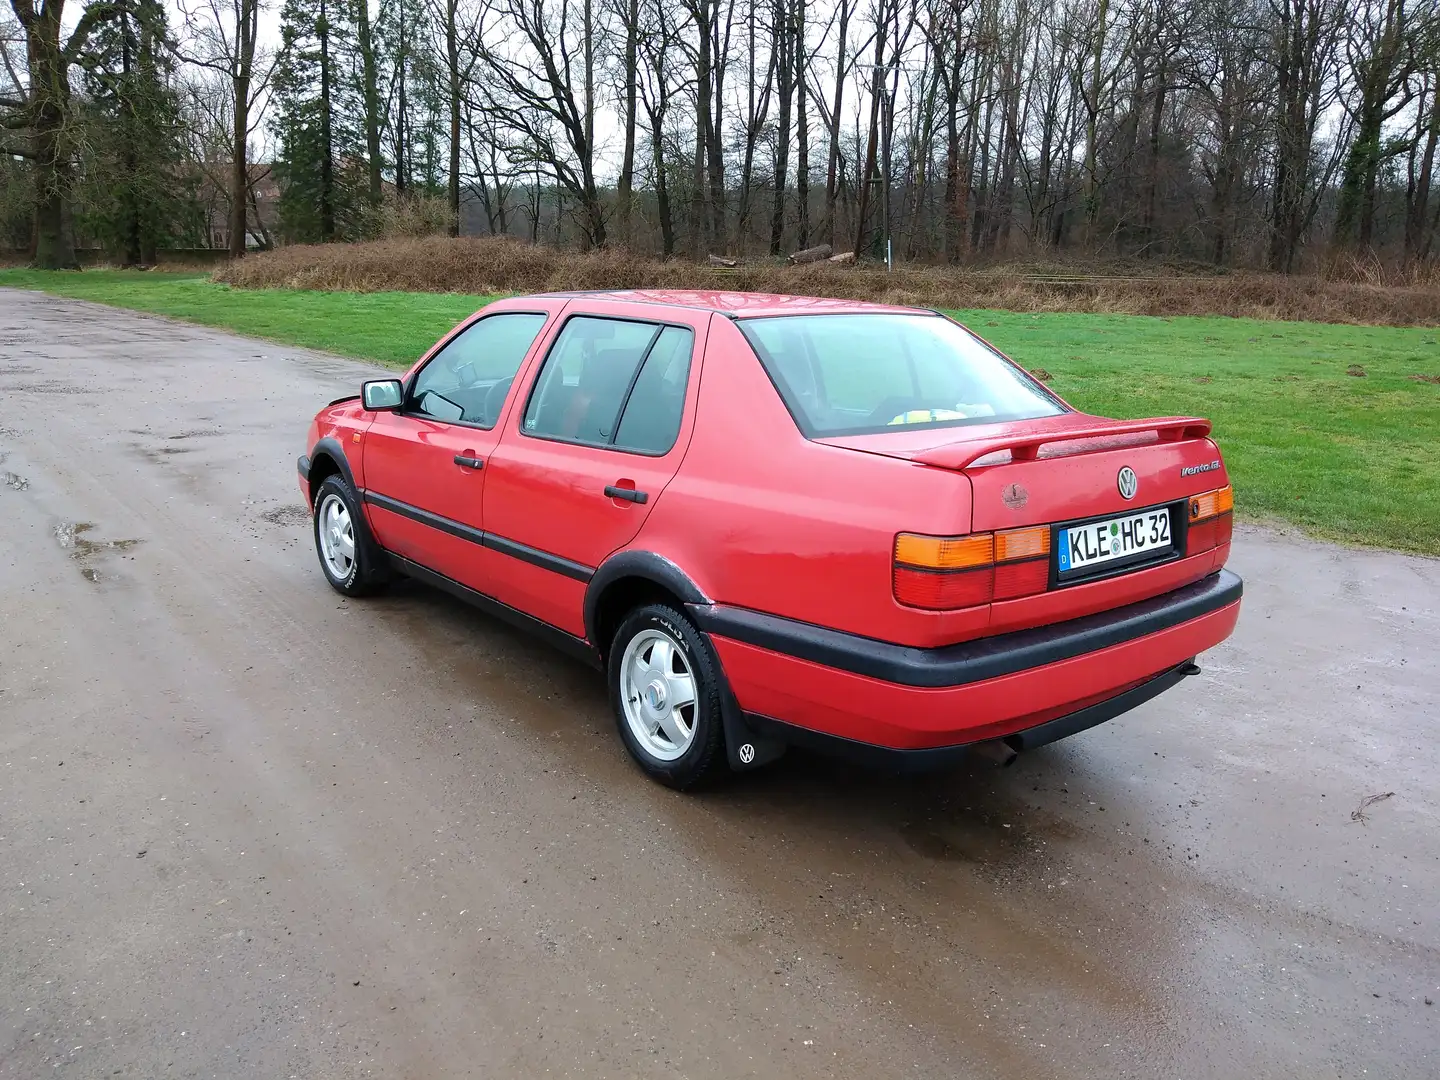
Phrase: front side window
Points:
(467, 383)
(614, 383)
(865, 374)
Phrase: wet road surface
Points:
(248, 828)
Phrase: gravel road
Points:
(248, 828)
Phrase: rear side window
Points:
(468, 381)
(865, 374)
(613, 383)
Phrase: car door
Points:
(425, 464)
(604, 424)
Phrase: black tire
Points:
(367, 571)
(704, 759)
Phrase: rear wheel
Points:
(665, 690)
(351, 563)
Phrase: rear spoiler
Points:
(1026, 447)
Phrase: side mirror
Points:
(382, 395)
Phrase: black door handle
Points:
(469, 462)
(629, 494)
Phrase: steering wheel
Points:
(495, 399)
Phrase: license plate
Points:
(1083, 547)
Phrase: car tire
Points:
(349, 558)
(665, 689)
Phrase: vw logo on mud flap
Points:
(1127, 482)
(747, 754)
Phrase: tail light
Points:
(942, 573)
(1212, 520)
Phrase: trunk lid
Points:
(1089, 479)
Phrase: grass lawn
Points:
(1345, 456)
(391, 328)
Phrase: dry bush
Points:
(484, 266)
(406, 217)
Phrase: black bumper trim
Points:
(304, 466)
(971, 661)
(940, 757)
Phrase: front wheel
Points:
(665, 690)
(350, 561)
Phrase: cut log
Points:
(811, 254)
(843, 258)
(721, 262)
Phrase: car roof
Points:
(743, 304)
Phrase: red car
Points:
(774, 520)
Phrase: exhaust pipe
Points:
(997, 751)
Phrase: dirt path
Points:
(250, 829)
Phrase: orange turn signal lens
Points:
(1022, 543)
(944, 552)
(1211, 504)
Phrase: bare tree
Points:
(223, 36)
(541, 62)
(1305, 55)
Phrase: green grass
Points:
(391, 328)
(1345, 457)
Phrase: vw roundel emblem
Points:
(1127, 482)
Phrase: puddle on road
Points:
(72, 537)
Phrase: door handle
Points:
(628, 494)
(468, 462)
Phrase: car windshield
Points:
(865, 374)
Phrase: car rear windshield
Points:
(865, 374)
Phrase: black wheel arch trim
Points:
(971, 661)
(645, 565)
(941, 757)
(330, 447)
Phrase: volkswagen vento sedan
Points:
(780, 521)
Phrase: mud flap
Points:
(745, 748)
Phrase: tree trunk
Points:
(868, 179)
(802, 129)
(623, 196)
(402, 155)
(50, 105)
(1152, 172)
(370, 93)
(452, 63)
(327, 135)
(662, 187)
(1092, 114)
(1417, 199)
(781, 42)
(715, 167)
(832, 168)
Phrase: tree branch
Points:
(94, 15)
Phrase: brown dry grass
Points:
(484, 266)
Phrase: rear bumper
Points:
(802, 682)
